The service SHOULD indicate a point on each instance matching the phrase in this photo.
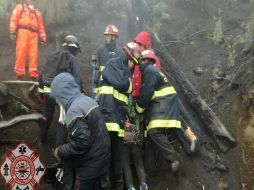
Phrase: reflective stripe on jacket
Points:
(113, 93)
(104, 53)
(116, 94)
(44, 90)
(158, 100)
(115, 127)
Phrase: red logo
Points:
(22, 169)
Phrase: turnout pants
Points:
(157, 140)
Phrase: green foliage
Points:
(159, 9)
(160, 14)
(218, 33)
(247, 40)
(248, 37)
(231, 44)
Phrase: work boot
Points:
(143, 186)
(175, 166)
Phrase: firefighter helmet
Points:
(133, 50)
(111, 30)
(148, 54)
(71, 41)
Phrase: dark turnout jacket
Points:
(113, 93)
(104, 53)
(89, 143)
(108, 51)
(60, 61)
(158, 99)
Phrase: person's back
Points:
(116, 77)
(159, 104)
(157, 95)
(113, 100)
(62, 60)
(89, 143)
(84, 112)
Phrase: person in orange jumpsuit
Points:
(26, 27)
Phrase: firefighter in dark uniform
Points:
(62, 60)
(113, 99)
(110, 49)
(107, 51)
(159, 104)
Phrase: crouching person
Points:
(89, 144)
(158, 102)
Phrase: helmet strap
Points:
(131, 57)
(135, 60)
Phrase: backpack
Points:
(59, 62)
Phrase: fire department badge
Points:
(22, 169)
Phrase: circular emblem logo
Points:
(22, 169)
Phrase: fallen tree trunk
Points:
(211, 121)
(21, 118)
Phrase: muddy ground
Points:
(187, 37)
